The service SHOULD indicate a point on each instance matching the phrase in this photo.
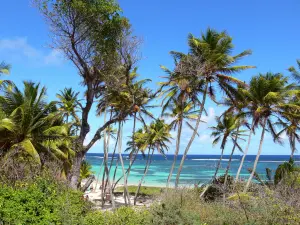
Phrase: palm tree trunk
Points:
(97, 180)
(115, 173)
(126, 194)
(108, 178)
(104, 160)
(133, 148)
(230, 159)
(176, 152)
(257, 156)
(219, 163)
(293, 148)
(192, 137)
(245, 152)
(149, 159)
(128, 169)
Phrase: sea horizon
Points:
(197, 169)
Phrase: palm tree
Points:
(212, 63)
(4, 69)
(153, 137)
(31, 126)
(290, 126)
(85, 170)
(295, 74)
(269, 95)
(179, 111)
(227, 128)
(68, 103)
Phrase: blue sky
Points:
(269, 28)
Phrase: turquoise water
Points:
(197, 168)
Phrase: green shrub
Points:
(122, 216)
(41, 202)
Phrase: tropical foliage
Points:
(39, 137)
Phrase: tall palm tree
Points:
(156, 136)
(68, 103)
(290, 126)
(269, 96)
(179, 111)
(212, 64)
(35, 126)
(226, 128)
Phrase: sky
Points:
(270, 29)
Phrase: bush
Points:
(122, 216)
(185, 207)
(41, 202)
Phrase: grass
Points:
(147, 191)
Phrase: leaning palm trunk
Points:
(229, 162)
(176, 152)
(107, 180)
(245, 153)
(149, 159)
(192, 138)
(104, 160)
(131, 161)
(257, 156)
(97, 180)
(128, 170)
(115, 173)
(219, 164)
(293, 148)
(126, 194)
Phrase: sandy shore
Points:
(95, 196)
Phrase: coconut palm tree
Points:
(226, 128)
(269, 96)
(4, 69)
(68, 103)
(295, 74)
(36, 127)
(290, 126)
(85, 170)
(210, 60)
(156, 136)
(178, 112)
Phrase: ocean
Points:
(196, 169)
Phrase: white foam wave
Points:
(214, 159)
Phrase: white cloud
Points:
(204, 137)
(54, 57)
(211, 115)
(19, 49)
(284, 136)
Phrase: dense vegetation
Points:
(42, 148)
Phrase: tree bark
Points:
(104, 160)
(257, 156)
(85, 128)
(230, 159)
(218, 166)
(127, 171)
(149, 159)
(88, 183)
(192, 138)
(108, 178)
(176, 152)
(126, 194)
(245, 153)
(293, 148)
